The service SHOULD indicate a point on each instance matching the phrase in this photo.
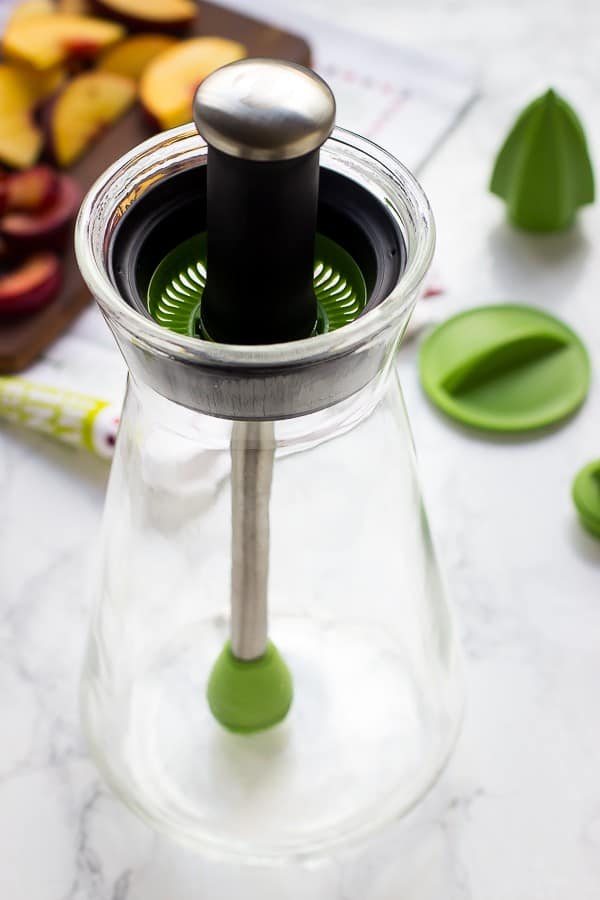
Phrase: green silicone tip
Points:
(543, 170)
(249, 696)
(586, 496)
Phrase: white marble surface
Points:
(517, 814)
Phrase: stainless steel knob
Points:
(264, 110)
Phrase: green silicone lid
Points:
(586, 496)
(543, 170)
(505, 368)
(248, 696)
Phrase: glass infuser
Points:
(272, 670)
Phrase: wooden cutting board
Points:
(22, 340)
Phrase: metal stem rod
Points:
(252, 454)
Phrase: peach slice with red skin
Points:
(25, 232)
(163, 16)
(49, 39)
(84, 108)
(33, 284)
(131, 56)
(168, 83)
(30, 191)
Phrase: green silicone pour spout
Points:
(543, 170)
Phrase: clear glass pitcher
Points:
(355, 602)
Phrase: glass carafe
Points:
(356, 605)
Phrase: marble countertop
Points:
(516, 816)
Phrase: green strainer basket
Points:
(176, 288)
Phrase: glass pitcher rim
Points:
(417, 226)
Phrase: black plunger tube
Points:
(261, 223)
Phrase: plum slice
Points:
(30, 285)
(25, 232)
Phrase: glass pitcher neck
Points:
(293, 434)
(275, 381)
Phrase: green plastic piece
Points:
(505, 368)
(175, 290)
(249, 696)
(586, 496)
(543, 170)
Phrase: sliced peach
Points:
(171, 16)
(21, 89)
(84, 108)
(21, 140)
(30, 191)
(33, 284)
(30, 8)
(22, 86)
(130, 57)
(47, 40)
(24, 232)
(168, 83)
(18, 92)
(41, 84)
